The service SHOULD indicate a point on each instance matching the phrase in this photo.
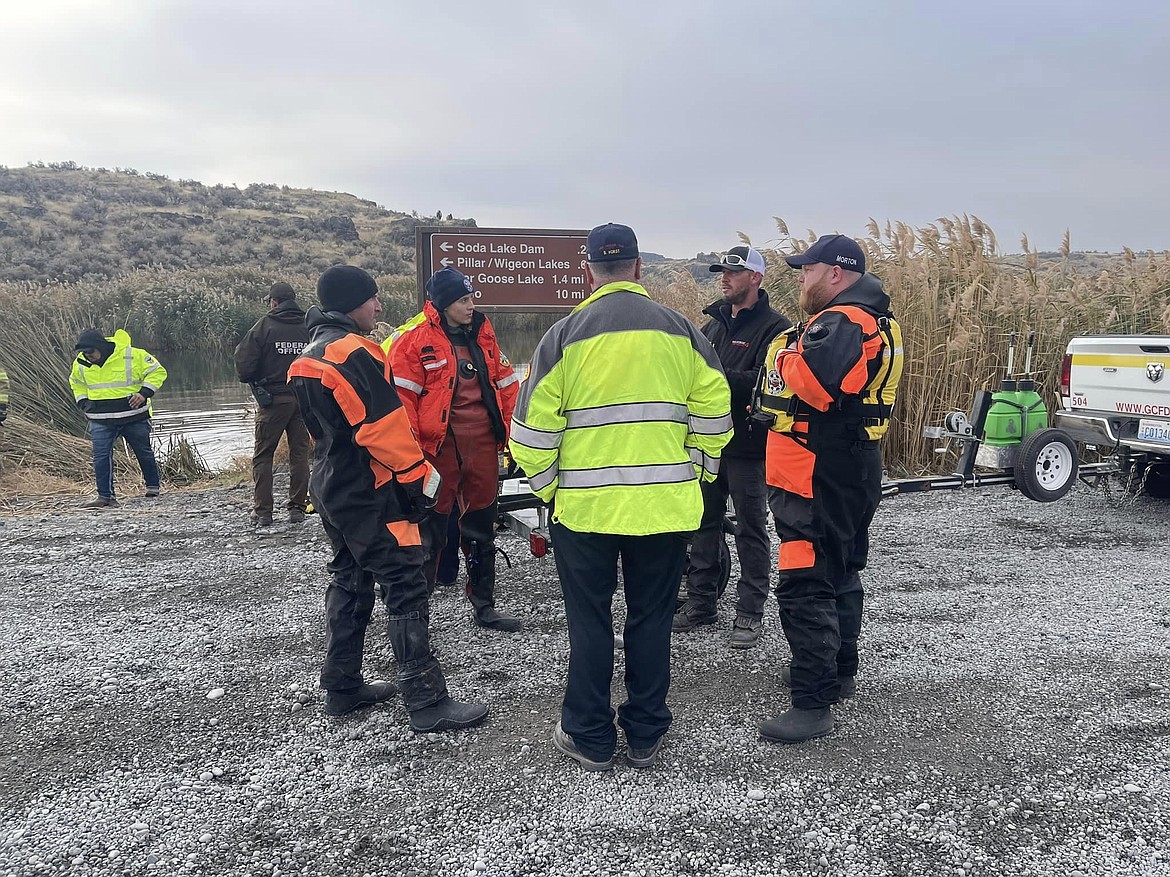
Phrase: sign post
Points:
(511, 269)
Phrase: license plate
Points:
(1157, 431)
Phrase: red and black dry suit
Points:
(368, 482)
(459, 390)
(831, 385)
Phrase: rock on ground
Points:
(1012, 713)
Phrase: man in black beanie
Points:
(263, 357)
(372, 486)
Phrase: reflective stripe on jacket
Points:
(109, 386)
(624, 410)
(423, 361)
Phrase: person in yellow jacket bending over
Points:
(113, 383)
(625, 410)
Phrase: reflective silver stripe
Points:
(700, 425)
(541, 480)
(431, 484)
(124, 383)
(613, 476)
(510, 379)
(407, 385)
(150, 385)
(630, 412)
(535, 438)
(710, 464)
(430, 366)
(116, 415)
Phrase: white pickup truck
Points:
(1115, 394)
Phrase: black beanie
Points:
(91, 339)
(448, 286)
(345, 288)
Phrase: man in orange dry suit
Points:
(828, 387)
(371, 485)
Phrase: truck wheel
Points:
(1046, 467)
(1158, 481)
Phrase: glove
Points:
(422, 494)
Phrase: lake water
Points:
(203, 401)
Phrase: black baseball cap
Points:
(831, 249)
(611, 243)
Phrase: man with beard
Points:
(829, 388)
(742, 325)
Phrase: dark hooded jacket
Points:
(270, 346)
(367, 465)
(741, 343)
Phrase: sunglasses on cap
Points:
(734, 260)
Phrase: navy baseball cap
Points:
(832, 249)
(611, 243)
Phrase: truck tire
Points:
(1046, 466)
(1158, 481)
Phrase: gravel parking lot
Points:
(159, 712)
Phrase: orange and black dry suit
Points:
(371, 486)
(828, 388)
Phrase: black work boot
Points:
(690, 617)
(424, 689)
(797, 725)
(447, 715)
(848, 683)
(338, 703)
(479, 533)
(491, 619)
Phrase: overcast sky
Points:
(690, 121)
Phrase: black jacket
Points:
(367, 467)
(270, 346)
(741, 343)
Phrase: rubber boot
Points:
(434, 536)
(421, 680)
(797, 725)
(338, 703)
(479, 531)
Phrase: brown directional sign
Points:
(511, 269)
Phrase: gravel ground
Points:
(159, 712)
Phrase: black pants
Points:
(824, 545)
(365, 552)
(743, 479)
(652, 568)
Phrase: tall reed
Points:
(959, 299)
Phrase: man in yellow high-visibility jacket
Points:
(624, 410)
(112, 383)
